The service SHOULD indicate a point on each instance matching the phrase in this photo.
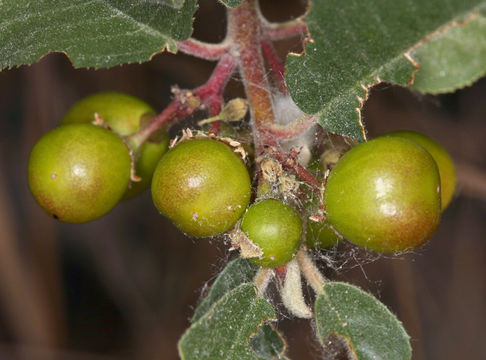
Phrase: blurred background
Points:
(125, 286)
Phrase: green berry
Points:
(441, 157)
(79, 172)
(320, 235)
(125, 114)
(276, 228)
(121, 112)
(384, 195)
(203, 186)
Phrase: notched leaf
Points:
(370, 330)
(268, 343)
(440, 58)
(357, 45)
(337, 346)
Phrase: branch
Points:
(203, 50)
(281, 31)
(244, 28)
(289, 162)
(186, 102)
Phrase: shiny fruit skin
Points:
(384, 195)
(442, 158)
(121, 112)
(78, 172)
(124, 114)
(276, 228)
(202, 186)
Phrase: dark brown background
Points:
(124, 286)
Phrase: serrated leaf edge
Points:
(458, 21)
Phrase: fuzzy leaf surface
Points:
(370, 330)
(268, 343)
(452, 60)
(236, 272)
(176, 4)
(357, 44)
(224, 332)
(93, 33)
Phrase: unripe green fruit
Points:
(203, 186)
(384, 195)
(275, 228)
(125, 115)
(121, 112)
(78, 172)
(441, 157)
(320, 235)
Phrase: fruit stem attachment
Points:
(289, 162)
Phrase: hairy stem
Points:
(203, 50)
(245, 29)
(281, 31)
(262, 279)
(185, 102)
(311, 273)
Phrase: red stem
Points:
(187, 102)
(281, 31)
(245, 29)
(290, 163)
(203, 50)
(275, 64)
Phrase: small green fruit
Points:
(384, 195)
(320, 235)
(78, 172)
(441, 157)
(203, 186)
(275, 228)
(125, 114)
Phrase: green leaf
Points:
(268, 344)
(357, 44)
(453, 59)
(235, 273)
(224, 331)
(231, 3)
(93, 33)
(176, 4)
(370, 330)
